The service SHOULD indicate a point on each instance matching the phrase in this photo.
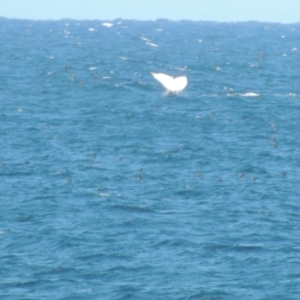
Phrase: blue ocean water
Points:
(111, 189)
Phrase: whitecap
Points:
(151, 44)
(107, 24)
(92, 29)
(294, 49)
(93, 68)
(250, 94)
(209, 95)
(292, 94)
(104, 195)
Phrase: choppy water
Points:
(112, 190)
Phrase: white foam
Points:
(151, 44)
(250, 94)
(106, 24)
(104, 195)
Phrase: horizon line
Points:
(146, 20)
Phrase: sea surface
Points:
(112, 189)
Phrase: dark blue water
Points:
(110, 189)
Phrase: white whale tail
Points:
(173, 85)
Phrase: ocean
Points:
(112, 189)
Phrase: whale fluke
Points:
(173, 85)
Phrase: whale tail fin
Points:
(173, 85)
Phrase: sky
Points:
(283, 11)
